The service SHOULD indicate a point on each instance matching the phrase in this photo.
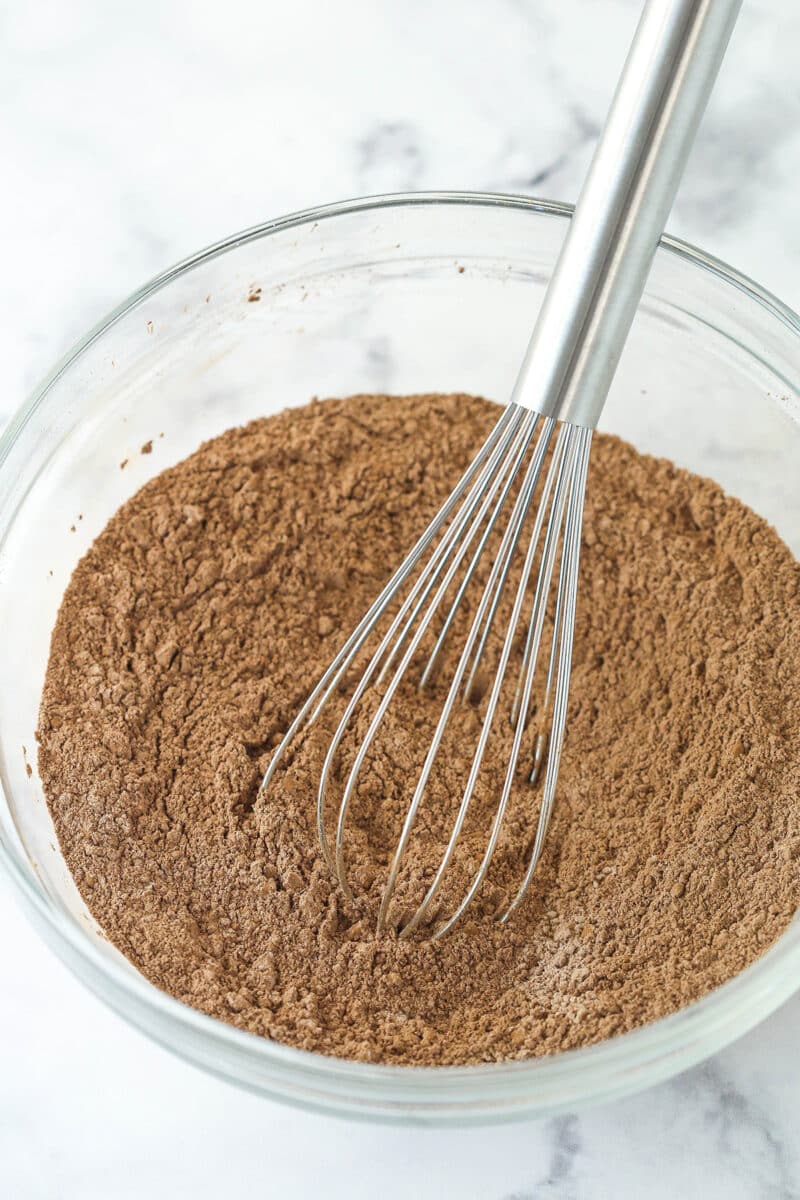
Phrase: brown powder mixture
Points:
(206, 610)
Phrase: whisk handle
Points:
(624, 204)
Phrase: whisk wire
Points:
(524, 432)
(459, 552)
(510, 537)
(528, 431)
(558, 474)
(544, 714)
(571, 563)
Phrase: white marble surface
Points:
(133, 134)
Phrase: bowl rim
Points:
(612, 1067)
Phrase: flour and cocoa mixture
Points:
(206, 610)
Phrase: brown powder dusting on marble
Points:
(205, 611)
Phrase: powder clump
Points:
(194, 627)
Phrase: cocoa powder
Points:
(205, 611)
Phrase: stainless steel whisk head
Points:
(521, 499)
(450, 551)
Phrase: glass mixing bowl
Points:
(397, 294)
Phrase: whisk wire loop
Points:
(457, 540)
(460, 550)
(561, 469)
(493, 588)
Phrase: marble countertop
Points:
(135, 134)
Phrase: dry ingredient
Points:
(205, 611)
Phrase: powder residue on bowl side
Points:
(206, 610)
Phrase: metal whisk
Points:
(529, 477)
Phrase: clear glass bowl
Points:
(397, 294)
